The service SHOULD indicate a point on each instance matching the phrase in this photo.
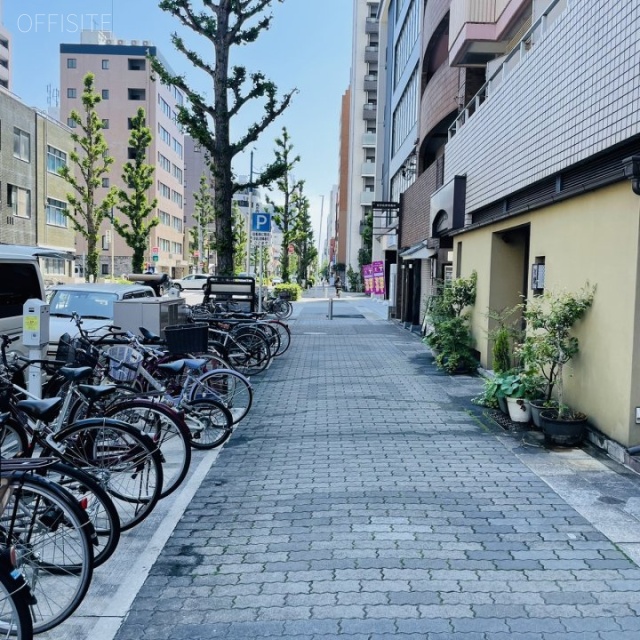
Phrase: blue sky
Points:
(308, 47)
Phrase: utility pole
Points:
(320, 233)
(249, 216)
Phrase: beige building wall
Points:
(114, 81)
(589, 239)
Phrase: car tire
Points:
(177, 286)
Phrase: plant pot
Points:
(519, 410)
(502, 403)
(564, 432)
(537, 406)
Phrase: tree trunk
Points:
(93, 258)
(137, 261)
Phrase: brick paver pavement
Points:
(360, 500)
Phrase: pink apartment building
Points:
(123, 79)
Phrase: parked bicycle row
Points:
(112, 435)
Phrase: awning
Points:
(418, 252)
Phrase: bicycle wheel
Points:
(285, 335)
(124, 461)
(13, 439)
(96, 503)
(167, 430)
(261, 329)
(51, 535)
(209, 422)
(283, 310)
(249, 353)
(15, 616)
(229, 387)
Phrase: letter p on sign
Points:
(261, 222)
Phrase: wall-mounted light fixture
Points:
(632, 172)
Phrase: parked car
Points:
(275, 281)
(196, 281)
(93, 302)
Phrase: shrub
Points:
(294, 290)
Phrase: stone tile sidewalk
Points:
(361, 499)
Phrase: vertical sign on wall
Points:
(378, 278)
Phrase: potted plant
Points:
(518, 387)
(450, 336)
(549, 347)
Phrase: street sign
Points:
(382, 205)
(155, 257)
(261, 222)
(260, 239)
(155, 251)
(196, 254)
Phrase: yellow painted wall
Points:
(592, 238)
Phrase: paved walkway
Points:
(361, 498)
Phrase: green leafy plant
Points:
(450, 334)
(549, 344)
(294, 290)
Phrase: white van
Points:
(20, 280)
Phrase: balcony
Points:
(371, 54)
(369, 111)
(368, 169)
(366, 198)
(481, 30)
(371, 25)
(369, 139)
(371, 83)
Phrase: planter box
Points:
(561, 432)
(519, 410)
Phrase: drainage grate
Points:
(348, 315)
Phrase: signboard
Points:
(155, 251)
(261, 222)
(260, 239)
(367, 276)
(382, 205)
(155, 257)
(378, 278)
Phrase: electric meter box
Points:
(154, 314)
(35, 323)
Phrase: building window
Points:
(177, 147)
(165, 218)
(19, 200)
(176, 223)
(131, 153)
(177, 198)
(72, 93)
(177, 173)
(165, 136)
(21, 144)
(55, 213)
(105, 269)
(105, 183)
(105, 64)
(137, 94)
(105, 123)
(55, 266)
(165, 245)
(72, 63)
(105, 94)
(71, 123)
(137, 64)
(176, 247)
(164, 190)
(164, 162)
(56, 159)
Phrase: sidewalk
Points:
(365, 497)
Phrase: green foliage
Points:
(223, 25)
(302, 235)
(202, 236)
(239, 240)
(91, 158)
(365, 253)
(549, 345)
(135, 205)
(294, 290)
(450, 333)
(501, 351)
(354, 279)
(285, 213)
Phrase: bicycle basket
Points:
(82, 353)
(187, 338)
(124, 363)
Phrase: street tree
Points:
(302, 235)
(133, 202)
(224, 25)
(202, 236)
(92, 162)
(239, 237)
(284, 212)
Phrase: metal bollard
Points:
(330, 314)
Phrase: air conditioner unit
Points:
(146, 43)
(134, 43)
(120, 41)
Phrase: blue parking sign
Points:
(261, 222)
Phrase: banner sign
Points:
(367, 276)
(378, 278)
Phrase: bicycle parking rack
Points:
(238, 289)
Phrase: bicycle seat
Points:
(4, 417)
(95, 392)
(172, 367)
(45, 410)
(195, 363)
(149, 336)
(75, 373)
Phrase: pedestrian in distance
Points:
(338, 286)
